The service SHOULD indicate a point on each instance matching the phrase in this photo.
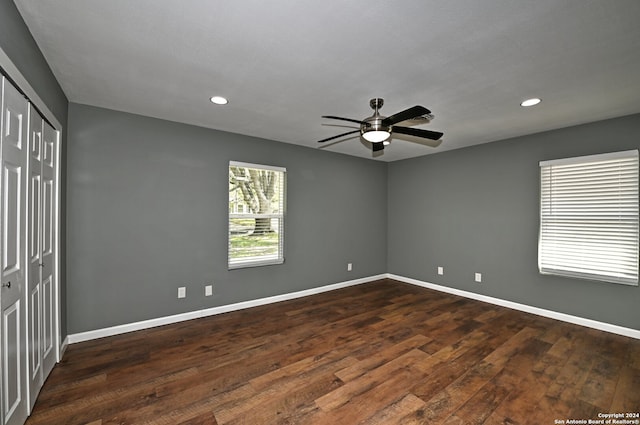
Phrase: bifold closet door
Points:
(48, 247)
(13, 203)
(42, 324)
(34, 294)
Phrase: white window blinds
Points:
(256, 215)
(589, 217)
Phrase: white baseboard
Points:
(63, 347)
(594, 324)
(146, 324)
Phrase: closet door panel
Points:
(13, 214)
(13, 397)
(34, 240)
(48, 241)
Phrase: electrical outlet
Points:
(478, 277)
(208, 290)
(440, 270)
(182, 292)
(349, 267)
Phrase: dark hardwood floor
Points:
(379, 353)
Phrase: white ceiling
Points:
(284, 63)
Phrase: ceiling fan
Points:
(378, 129)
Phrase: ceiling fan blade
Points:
(339, 135)
(336, 141)
(407, 114)
(417, 132)
(419, 140)
(375, 147)
(341, 118)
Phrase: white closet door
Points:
(34, 252)
(41, 299)
(49, 247)
(13, 191)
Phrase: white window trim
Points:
(264, 260)
(259, 166)
(590, 158)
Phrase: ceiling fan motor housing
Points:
(374, 124)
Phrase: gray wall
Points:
(147, 212)
(16, 41)
(18, 44)
(476, 210)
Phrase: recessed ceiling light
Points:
(530, 102)
(219, 100)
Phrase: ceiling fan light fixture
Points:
(376, 136)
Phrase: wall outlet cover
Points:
(440, 270)
(208, 290)
(478, 277)
(182, 292)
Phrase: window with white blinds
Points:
(256, 215)
(589, 217)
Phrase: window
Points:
(256, 215)
(589, 217)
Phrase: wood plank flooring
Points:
(379, 353)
